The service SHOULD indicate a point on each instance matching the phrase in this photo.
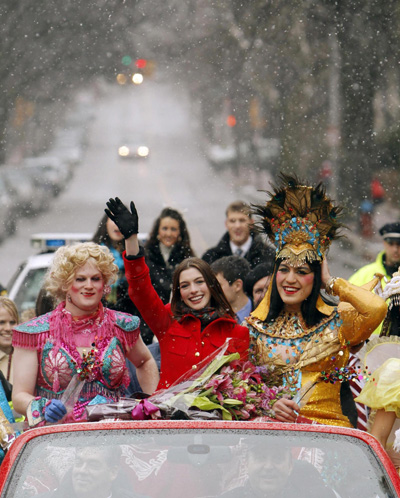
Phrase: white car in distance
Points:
(27, 281)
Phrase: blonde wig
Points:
(68, 259)
(9, 306)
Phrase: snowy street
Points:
(177, 174)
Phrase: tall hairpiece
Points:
(300, 220)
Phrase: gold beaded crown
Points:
(300, 220)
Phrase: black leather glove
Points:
(127, 221)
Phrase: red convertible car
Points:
(192, 459)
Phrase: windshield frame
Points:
(21, 450)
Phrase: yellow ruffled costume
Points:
(382, 390)
(302, 353)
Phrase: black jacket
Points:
(160, 272)
(259, 251)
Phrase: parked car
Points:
(52, 170)
(72, 156)
(193, 459)
(28, 198)
(8, 208)
(68, 145)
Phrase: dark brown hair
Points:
(184, 238)
(218, 300)
(101, 236)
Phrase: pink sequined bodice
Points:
(58, 365)
(57, 337)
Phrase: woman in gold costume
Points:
(293, 328)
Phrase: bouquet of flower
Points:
(236, 389)
(222, 386)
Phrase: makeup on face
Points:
(294, 285)
(86, 290)
(194, 290)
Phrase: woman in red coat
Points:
(199, 318)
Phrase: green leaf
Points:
(184, 398)
(226, 415)
(233, 402)
(207, 392)
(214, 366)
(207, 405)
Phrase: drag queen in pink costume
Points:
(80, 340)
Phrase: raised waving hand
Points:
(127, 221)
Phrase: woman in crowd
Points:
(168, 245)
(293, 328)
(107, 234)
(8, 319)
(199, 318)
(79, 339)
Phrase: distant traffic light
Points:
(126, 60)
(141, 63)
(231, 121)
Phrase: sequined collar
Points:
(84, 324)
(64, 328)
(288, 326)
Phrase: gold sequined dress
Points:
(302, 353)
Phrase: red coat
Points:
(182, 344)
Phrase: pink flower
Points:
(227, 369)
(256, 388)
(244, 414)
(240, 393)
(218, 383)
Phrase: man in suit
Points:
(240, 239)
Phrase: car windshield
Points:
(28, 291)
(198, 463)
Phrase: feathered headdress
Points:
(300, 220)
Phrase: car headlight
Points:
(143, 151)
(123, 151)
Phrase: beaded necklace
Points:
(286, 325)
(286, 338)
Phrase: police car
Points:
(27, 281)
